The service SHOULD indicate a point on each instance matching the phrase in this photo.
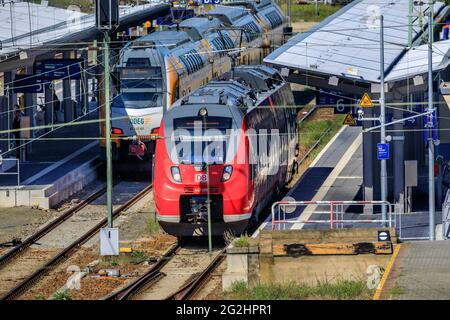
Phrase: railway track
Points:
(192, 287)
(176, 276)
(54, 259)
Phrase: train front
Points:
(201, 158)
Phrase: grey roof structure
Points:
(415, 61)
(347, 44)
(25, 25)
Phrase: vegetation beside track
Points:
(340, 290)
(306, 12)
(153, 226)
(86, 6)
(242, 241)
(315, 132)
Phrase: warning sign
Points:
(366, 102)
(349, 120)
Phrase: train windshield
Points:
(140, 87)
(202, 140)
(138, 100)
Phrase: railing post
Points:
(18, 172)
(331, 215)
(273, 214)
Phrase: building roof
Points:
(347, 44)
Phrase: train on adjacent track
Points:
(154, 71)
(228, 147)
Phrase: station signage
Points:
(383, 151)
(27, 84)
(341, 103)
(433, 127)
(210, 1)
(175, 14)
(366, 101)
(55, 69)
(384, 235)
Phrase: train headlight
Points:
(203, 112)
(176, 174)
(227, 171)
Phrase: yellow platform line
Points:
(377, 294)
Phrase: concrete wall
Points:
(257, 263)
(314, 269)
(48, 196)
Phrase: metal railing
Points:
(336, 212)
(12, 173)
(446, 216)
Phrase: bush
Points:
(242, 241)
(340, 290)
(64, 295)
(152, 226)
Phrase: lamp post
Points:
(430, 125)
(383, 169)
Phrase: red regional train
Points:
(233, 144)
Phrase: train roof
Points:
(245, 87)
(253, 5)
(228, 14)
(166, 38)
(196, 27)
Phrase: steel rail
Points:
(188, 290)
(8, 256)
(150, 276)
(29, 281)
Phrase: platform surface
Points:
(50, 159)
(421, 271)
(337, 174)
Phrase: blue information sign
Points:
(339, 101)
(383, 151)
(176, 14)
(55, 69)
(210, 1)
(433, 127)
(27, 84)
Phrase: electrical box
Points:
(411, 173)
(109, 242)
(106, 14)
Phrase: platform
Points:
(420, 271)
(336, 175)
(55, 168)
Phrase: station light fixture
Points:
(203, 112)
(333, 81)
(418, 80)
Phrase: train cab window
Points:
(138, 62)
(137, 100)
(187, 153)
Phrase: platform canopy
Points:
(347, 44)
(25, 25)
(415, 61)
